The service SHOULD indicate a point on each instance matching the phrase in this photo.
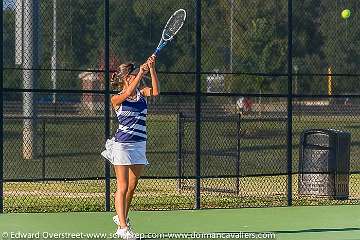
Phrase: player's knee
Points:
(122, 189)
(132, 186)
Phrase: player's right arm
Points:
(154, 78)
(154, 90)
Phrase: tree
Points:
(341, 48)
(12, 78)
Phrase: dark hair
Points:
(118, 77)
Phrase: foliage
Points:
(321, 39)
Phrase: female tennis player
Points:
(126, 150)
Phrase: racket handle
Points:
(163, 44)
(156, 52)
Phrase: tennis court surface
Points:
(291, 223)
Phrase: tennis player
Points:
(126, 150)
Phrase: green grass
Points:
(155, 194)
(72, 149)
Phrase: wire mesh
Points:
(54, 101)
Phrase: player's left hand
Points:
(144, 67)
(151, 62)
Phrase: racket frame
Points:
(164, 41)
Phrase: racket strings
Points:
(174, 25)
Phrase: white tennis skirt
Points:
(125, 153)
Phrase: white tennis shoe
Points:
(117, 221)
(125, 233)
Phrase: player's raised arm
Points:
(154, 90)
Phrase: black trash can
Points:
(324, 163)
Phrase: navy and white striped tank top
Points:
(132, 120)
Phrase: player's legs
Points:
(122, 177)
(135, 172)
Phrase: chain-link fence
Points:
(227, 129)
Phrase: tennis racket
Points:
(171, 28)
